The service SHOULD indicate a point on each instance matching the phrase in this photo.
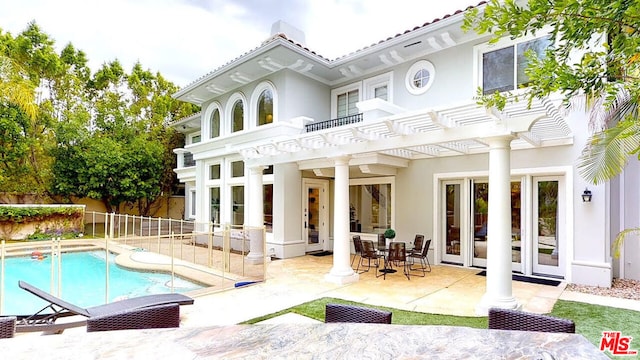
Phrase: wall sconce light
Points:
(586, 195)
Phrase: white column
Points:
(256, 216)
(499, 287)
(341, 272)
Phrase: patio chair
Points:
(507, 319)
(7, 326)
(45, 319)
(368, 253)
(397, 256)
(418, 241)
(161, 316)
(337, 313)
(424, 260)
(357, 246)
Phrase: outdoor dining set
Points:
(392, 256)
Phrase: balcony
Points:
(328, 124)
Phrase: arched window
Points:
(214, 126)
(238, 116)
(265, 108)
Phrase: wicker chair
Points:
(7, 326)
(161, 316)
(425, 265)
(506, 319)
(336, 313)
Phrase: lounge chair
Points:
(46, 321)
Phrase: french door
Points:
(479, 221)
(549, 245)
(453, 222)
(315, 224)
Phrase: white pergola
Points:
(386, 139)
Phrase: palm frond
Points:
(607, 152)
(619, 241)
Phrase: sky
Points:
(186, 39)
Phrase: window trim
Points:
(480, 49)
(266, 85)
(372, 83)
(417, 66)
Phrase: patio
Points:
(446, 290)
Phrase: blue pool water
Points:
(83, 281)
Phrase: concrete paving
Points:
(445, 290)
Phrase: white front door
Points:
(549, 245)
(315, 214)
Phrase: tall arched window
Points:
(265, 108)
(215, 124)
(238, 116)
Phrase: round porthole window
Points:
(420, 77)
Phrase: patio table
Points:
(306, 341)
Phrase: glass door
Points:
(315, 212)
(451, 249)
(548, 232)
(480, 215)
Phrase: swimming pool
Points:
(83, 281)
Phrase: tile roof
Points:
(283, 37)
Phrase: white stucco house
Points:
(390, 136)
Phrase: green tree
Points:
(606, 34)
(126, 157)
(595, 54)
(67, 132)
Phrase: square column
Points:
(341, 272)
(499, 292)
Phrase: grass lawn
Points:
(591, 320)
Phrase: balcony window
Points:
(381, 92)
(347, 103)
(504, 69)
(265, 108)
